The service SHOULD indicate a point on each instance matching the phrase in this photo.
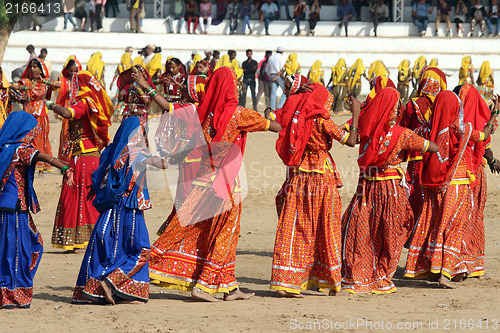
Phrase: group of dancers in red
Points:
(434, 208)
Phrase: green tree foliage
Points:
(8, 12)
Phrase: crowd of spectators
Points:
(198, 14)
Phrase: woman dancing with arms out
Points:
(89, 113)
(308, 241)
(378, 220)
(115, 266)
(33, 88)
(203, 234)
(183, 117)
(22, 245)
(438, 240)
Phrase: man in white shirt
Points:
(150, 52)
(274, 65)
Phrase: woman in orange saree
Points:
(416, 117)
(197, 251)
(439, 234)
(378, 220)
(477, 113)
(308, 239)
(35, 88)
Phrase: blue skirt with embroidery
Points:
(21, 249)
(118, 254)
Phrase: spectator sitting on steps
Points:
(345, 12)
(443, 14)
(420, 12)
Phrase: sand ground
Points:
(419, 306)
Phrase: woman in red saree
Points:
(72, 66)
(34, 90)
(197, 251)
(172, 79)
(477, 113)
(308, 240)
(89, 115)
(416, 117)
(436, 247)
(378, 220)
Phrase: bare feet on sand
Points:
(107, 293)
(283, 293)
(338, 293)
(203, 296)
(238, 295)
(445, 283)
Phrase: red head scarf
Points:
(196, 88)
(84, 86)
(376, 85)
(125, 78)
(432, 82)
(297, 81)
(182, 68)
(221, 100)
(297, 121)
(63, 94)
(28, 74)
(204, 62)
(477, 113)
(438, 169)
(379, 119)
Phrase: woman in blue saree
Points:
(115, 265)
(21, 245)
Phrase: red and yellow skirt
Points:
(436, 246)
(75, 216)
(308, 241)
(41, 142)
(375, 227)
(202, 254)
(473, 244)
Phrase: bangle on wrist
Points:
(65, 169)
(493, 162)
(49, 104)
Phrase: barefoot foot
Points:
(283, 293)
(238, 295)
(107, 292)
(445, 283)
(338, 293)
(203, 296)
